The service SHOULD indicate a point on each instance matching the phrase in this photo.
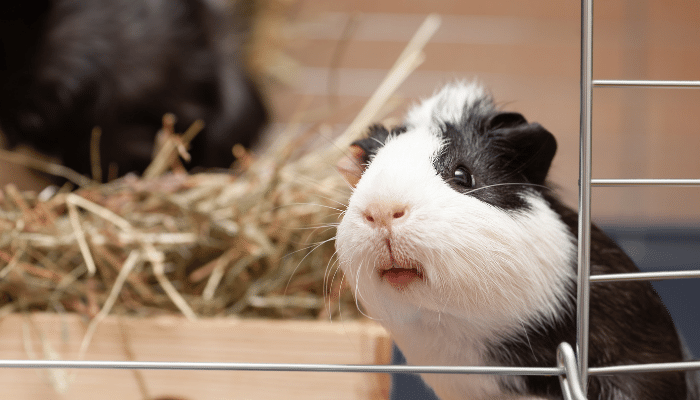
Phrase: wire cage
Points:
(572, 367)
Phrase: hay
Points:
(204, 244)
(256, 241)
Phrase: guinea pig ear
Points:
(356, 160)
(504, 120)
(351, 166)
(530, 146)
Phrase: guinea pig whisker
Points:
(314, 247)
(509, 184)
(308, 204)
(506, 184)
(333, 200)
(315, 227)
(332, 262)
(358, 296)
(324, 230)
(328, 285)
(340, 286)
(528, 339)
(379, 141)
(371, 271)
(333, 267)
(340, 308)
(357, 304)
(342, 280)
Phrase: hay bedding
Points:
(204, 244)
(253, 242)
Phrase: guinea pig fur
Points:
(453, 241)
(69, 65)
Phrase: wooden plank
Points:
(211, 340)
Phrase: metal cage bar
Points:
(349, 368)
(645, 276)
(584, 200)
(651, 84)
(645, 182)
(585, 184)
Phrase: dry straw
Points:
(254, 242)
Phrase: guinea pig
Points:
(453, 240)
(71, 65)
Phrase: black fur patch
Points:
(375, 140)
(67, 66)
(506, 155)
(628, 325)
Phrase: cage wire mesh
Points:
(572, 367)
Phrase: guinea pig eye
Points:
(462, 177)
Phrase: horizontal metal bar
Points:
(211, 366)
(659, 367)
(645, 276)
(223, 366)
(646, 83)
(644, 182)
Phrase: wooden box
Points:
(51, 336)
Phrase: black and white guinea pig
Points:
(67, 66)
(453, 241)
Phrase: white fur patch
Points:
(446, 106)
(488, 272)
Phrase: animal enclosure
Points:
(608, 95)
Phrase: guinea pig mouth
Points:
(401, 274)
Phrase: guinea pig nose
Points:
(378, 214)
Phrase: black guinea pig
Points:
(453, 241)
(69, 65)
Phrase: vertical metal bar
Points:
(570, 386)
(584, 206)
